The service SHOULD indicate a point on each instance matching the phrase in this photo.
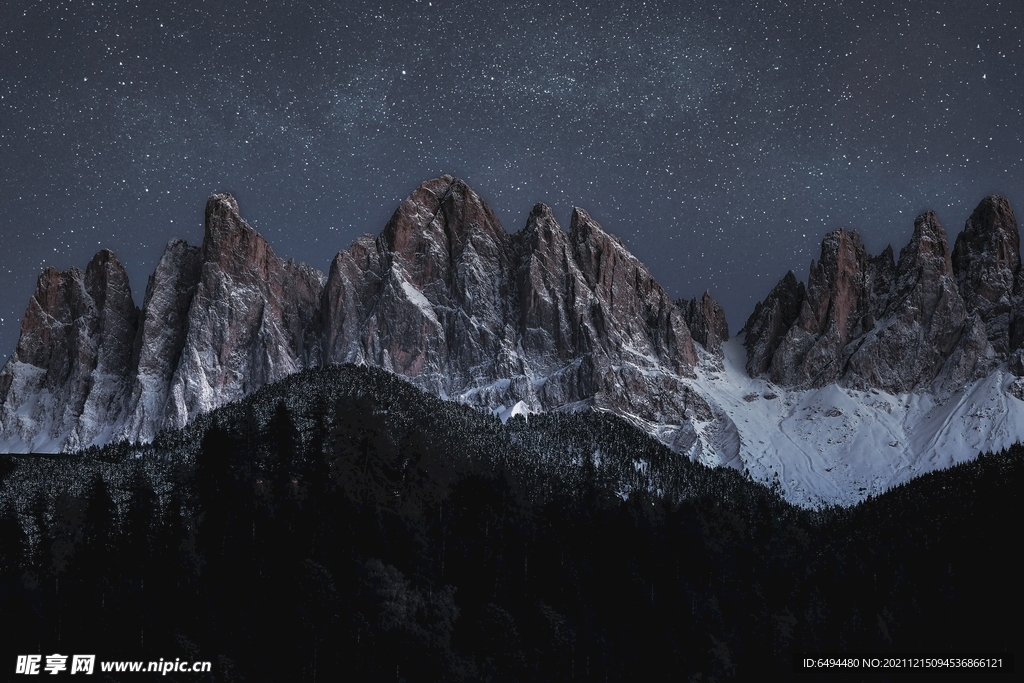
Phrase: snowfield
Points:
(838, 445)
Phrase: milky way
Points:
(720, 141)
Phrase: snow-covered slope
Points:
(839, 445)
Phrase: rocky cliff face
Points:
(986, 264)
(542, 319)
(253, 319)
(770, 322)
(555, 320)
(832, 311)
(443, 296)
(218, 322)
(161, 338)
(706, 320)
(429, 298)
(65, 384)
(935, 319)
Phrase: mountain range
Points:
(875, 370)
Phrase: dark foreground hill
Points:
(341, 524)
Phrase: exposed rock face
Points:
(253, 319)
(444, 296)
(547, 283)
(430, 298)
(831, 313)
(349, 295)
(706, 320)
(880, 280)
(770, 322)
(65, 383)
(448, 299)
(543, 319)
(870, 324)
(218, 322)
(629, 312)
(161, 338)
(986, 262)
(924, 321)
(632, 345)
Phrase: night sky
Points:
(720, 141)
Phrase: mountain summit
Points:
(546, 319)
(443, 296)
(871, 324)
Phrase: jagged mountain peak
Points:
(992, 216)
(706, 319)
(540, 211)
(928, 247)
(221, 218)
(869, 323)
(105, 275)
(888, 254)
(600, 253)
(986, 255)
(582, 227)
(987, 266)
(770, 321)
(838, 244)
(834, 283)
(442, 215)
(540, 235)
(230, 242)
(102, 258)
(543, 319)
(64, 385)
(221, 204)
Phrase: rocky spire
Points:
(831, 313)
(445, 297)
(430, 300)
(770, 321)
(547, 284)
(66, 384)
(986, 263)
(633, 310)
(870, 324)
(161, 338)
(254, 318)
(706, 320)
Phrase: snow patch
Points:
(420, 301)
(504, 414)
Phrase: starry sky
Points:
(720, 140)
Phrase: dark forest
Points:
(341, 525)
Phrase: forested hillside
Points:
(341, 523)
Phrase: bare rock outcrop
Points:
(446, 298)
(869, 323)
(547, 285)
(429, 299)
(705, 318)
(923, 321)
(65, 385)
(254, 318)
(161, 338)
(986, 263)
(831, 313)
(770, 321)
(551, 319)
(633, 314)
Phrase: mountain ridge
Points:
(543, 319)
